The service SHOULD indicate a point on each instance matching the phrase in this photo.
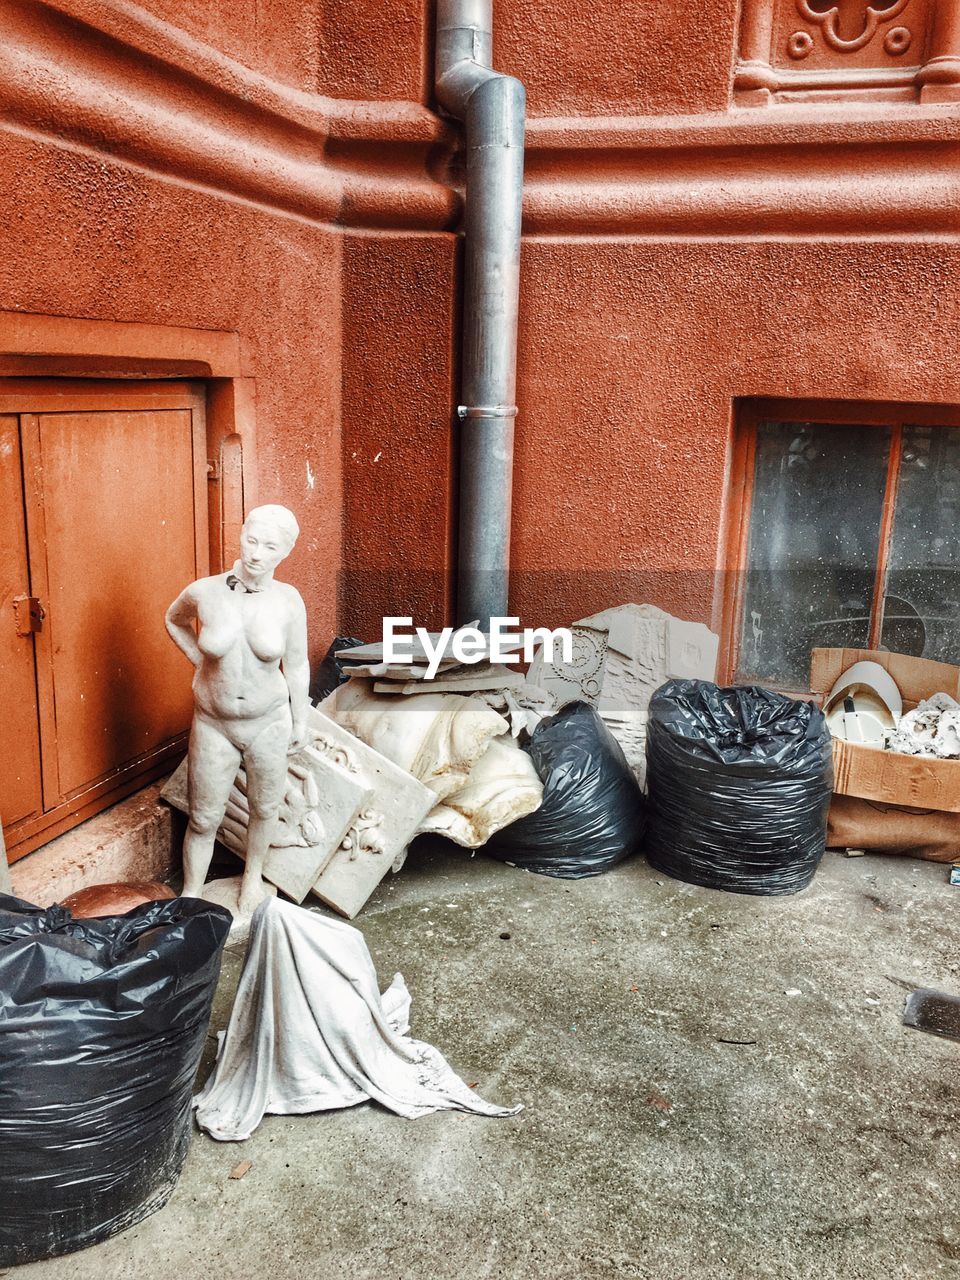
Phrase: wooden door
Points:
(19, 723)
(115, 506)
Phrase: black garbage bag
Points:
(738, 784)
(102, 1023)
(592, 814)
(329, 674)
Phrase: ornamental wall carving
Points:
(848, 50)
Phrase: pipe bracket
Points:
(469, 412)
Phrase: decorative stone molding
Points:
(839, 39)
(365, 836)
(843, 50)
(241, 135)
(168, 103)
(846, 170)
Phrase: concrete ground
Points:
(714, 1086)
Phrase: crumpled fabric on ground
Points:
(310, 1031)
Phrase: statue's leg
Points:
(212, 766)
(265, 763)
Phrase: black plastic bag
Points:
(329, 674)
(739, 784)
(592, 814)
(102, 1023)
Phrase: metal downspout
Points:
(492, 108)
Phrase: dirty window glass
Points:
(813, 545)
(921, 608)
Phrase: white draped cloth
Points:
(310, 1031)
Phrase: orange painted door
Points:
(20, 792)
(103, 512)
(117, 493)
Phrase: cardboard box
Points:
(920, 782)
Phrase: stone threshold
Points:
(138, 838)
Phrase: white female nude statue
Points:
(250, 694)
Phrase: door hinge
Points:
(29, 614)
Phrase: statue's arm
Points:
(296, 669)
(180, 617)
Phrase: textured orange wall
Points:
(398, 466)
(364, 49)
(678, 254)
(635, 58)
(631, 357)
(631, 58)
(82, 236)
(275, 37)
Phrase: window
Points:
(849, 536)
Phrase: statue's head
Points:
(267, 537)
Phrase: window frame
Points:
(748, 414)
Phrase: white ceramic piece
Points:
(437, 737)
(485, 677)
(503, 786)
(877, 704)
(372, 655)
(458, 746)
(390, 671)
(931, 729)
(524, 706)
(861, 717)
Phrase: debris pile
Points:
(435, 744)
(931, 729)
(620, 658)
(458, 734)
(896, 726)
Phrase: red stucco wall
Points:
(611, 59)
(622, 451)
(173, 165)
(107, 242)
(399, 329)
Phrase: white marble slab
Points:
(379, 835)
(321, 804)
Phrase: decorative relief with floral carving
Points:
(365, 836)
(882, 30)
(844, 33)
(842, 50)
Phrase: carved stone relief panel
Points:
(842, 50)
